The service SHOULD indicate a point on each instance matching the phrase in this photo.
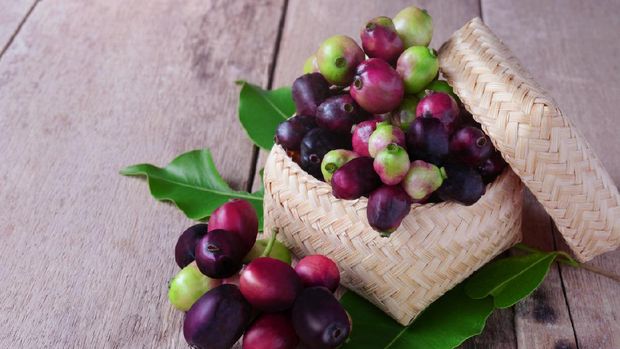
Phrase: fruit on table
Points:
(418, 66)
(271, 331)
(422, 180)
(471, 146)
(387, 206)
(392, 164)
(414, 26)
(333, 160)
(404, 115)
(441, 106)
(290, 132)
(463, 184)
(428, 140)
(270, 284)
(219, 254)
(187, 286)
(311, 65)
(315, 145)
(384, 135)
(338, 114)
(318, 270)
(354, 179)
(309, 90)
(337, 57)
(186, 244)
(278, 251)
(380, 39)
(238, 217)
(491, 168)
(319, 319)
(361, 134)
(377, 87)
(217, 320)
(439, 86)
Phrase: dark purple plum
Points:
(270, 284)
(380, 40)
(492, 167)
(319, 319)
(471, 146)
(361, 134)
(219, 254)
(463, 184)
(387, 207)
(428, 140)
(186, 245)
(309, 91)
(217, 320)
(441, 106)
(377, 87)
(238, 217)
(290, 132)
(355, 179)
(271, 331)
(315, 145)
(338, 114)
(318, 270)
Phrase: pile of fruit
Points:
(377, 122)
(232, 285)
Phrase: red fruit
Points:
(442, 106)
(271, 331)
(380, 39)
(354, 179)
(361, 133)
(239, 217)
(471, 146)
(270, 284)
(377, 87)
(318, 270)
(387, 207)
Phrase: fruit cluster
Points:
(270, 303)
(378, 122)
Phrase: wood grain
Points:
(12, 13)
(85, 89)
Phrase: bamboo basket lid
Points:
(541, 145)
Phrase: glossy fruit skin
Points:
(492, 167)
(418, 66)
(414, 26)
(384, 135)
(278, 251)
(337, 57)
(377, 87)
(440, 106)
(380, 39)
(422, 180)
(217, 320)
(387, 206)
(290, 132)
(355, 179)
(471, 146)
(270, 284)
(187, 286)
(239, 217)
(438, 86)
(315, 145)
(334, 160)
(319, 319)
(338, 114)
(309, 91)
(392, 164)
(404, 115)
(219, 254)
(428, 140)
(464, 185)
(271, 331)
(311, 65)
(186, 244)
(318, 270)
(361, 134)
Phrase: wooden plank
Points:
(12, 13)
(85, 89)
(572, 49)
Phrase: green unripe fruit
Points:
(438, 86)
(337, 59)
(311, 65)
(278, 251)
(404, 115)
(422, 180)
(187, 286)
(418, 66)
(414, 26)
(392, 164)
(334, 160)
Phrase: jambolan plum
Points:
(377, 87)
(380, 39)
(186, 245)
(290, 132)
(334, 160)
(428, 140)
(387, 207)
(269, 284)
(187, 286)
(219, 254)
(422, 180)
(414, 26)
(318, 270)
(464, 185)
(361, 134)
(355, 179)
(337, 57)
(471, 146)
(339, 114)
(417, 66)
(309, 91)
(238, 217)
(384, 135)
(315, 145)
(492, 167)
(271, 331)
(441, 106)
(392, 164)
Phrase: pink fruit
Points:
(380, 39)
(239, 217)
(441, 106)
(422, 180)
(318, 270)
(361, 134)
(270, 284)
(392, 164)
(271, 331)
(377, 87)
(384, 135)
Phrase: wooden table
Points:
(87, 87)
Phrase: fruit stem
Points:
(270, 243)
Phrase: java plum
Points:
(492, 167)
(387, 206)
(463, 184)
(377, 87)
(219, 254)
(337, 58)
(290, 132)
(270, 284)
(318, 270)
(335, 159)
(271, 331)
(392, 164)
(361, 134)
(440, 106)
(422, 180)
(418, 66)
(315, 145)
(239, 217)
(309, 90)
(338, 114)
(355, 179)
(471, 146)
(380, 39)
(414, 26)
(428, 140)
(186, 244)
(187, 286)
(384, 135)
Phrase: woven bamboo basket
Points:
(439, 245)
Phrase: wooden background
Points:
(87, 87)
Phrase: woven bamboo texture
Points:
(436, 247)
(540, 144)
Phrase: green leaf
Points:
(261, 111)
(191, 181)
(510, 279)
